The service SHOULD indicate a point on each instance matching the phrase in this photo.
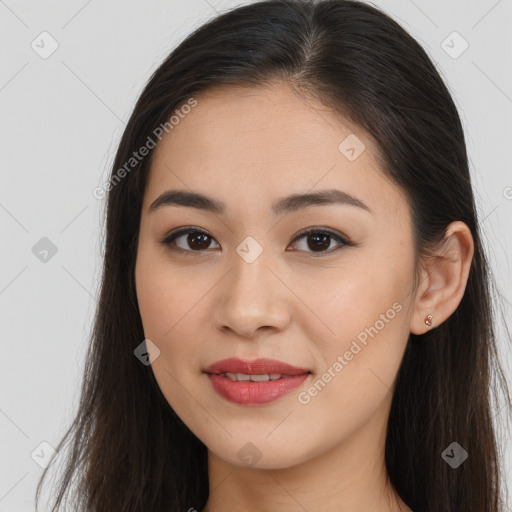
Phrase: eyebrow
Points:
(289, 203)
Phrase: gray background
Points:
(60, 120)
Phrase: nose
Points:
(251, 298)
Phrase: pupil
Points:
(323, 236)
(194, 236)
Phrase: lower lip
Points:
(255, 393)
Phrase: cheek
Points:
(173, 313)
(164, 294)
(346, 299)
(166, 299)
(363, 317)
(359, 370)
(153, 297)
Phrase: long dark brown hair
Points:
(127, 448)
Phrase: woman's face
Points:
(247, 287)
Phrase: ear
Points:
(443, 278)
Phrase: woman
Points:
(295, 310)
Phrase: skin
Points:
(248, 147)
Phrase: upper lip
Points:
(254, 367)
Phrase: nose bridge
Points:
(250, 277)
(250, 297)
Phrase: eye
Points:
(197, 239)
(319, 240)
(192, 240)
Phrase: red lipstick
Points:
(254, 382)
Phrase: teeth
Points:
(254, 378)
(238, 376)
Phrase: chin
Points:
(261, 453)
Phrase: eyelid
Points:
(342, 239)
(323, 230)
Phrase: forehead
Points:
(248, 143)
(260, 124)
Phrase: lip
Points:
(254, 393)
(256, 366)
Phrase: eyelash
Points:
(169, 239)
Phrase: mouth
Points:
(254, 382)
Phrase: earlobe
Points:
(444, 280)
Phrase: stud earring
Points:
(428, 320)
